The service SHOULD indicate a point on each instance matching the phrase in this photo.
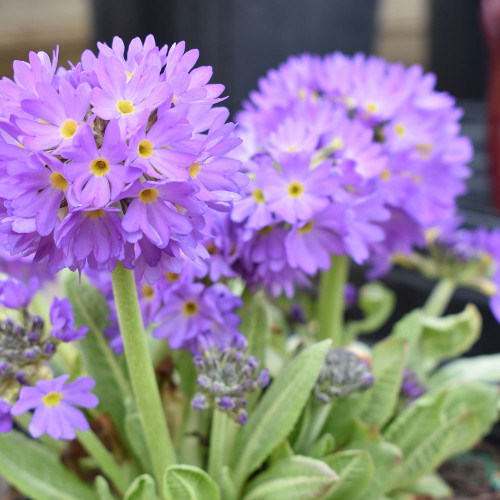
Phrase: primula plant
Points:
(175, 287)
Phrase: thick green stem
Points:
(331, 301)
(141, 372)
(220, 421)
(104, 459)
(440, 297)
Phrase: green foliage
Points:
(273, 418)
(38, 473)
(355, 470)
(294, 478)
(103, 489)
(142, 488)
(377, 303)
(112, 386)
(189, 483)
(388, 363)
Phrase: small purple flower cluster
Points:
(226, 376)
(117, 159)
(411, 387)
(25, 350)
(345, 155)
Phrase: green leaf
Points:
(256, 325)
(295, 478)
(103, 489)
(388, 363)
(135, 434)
(275, 415)
(226, 483)
(430, 485)
(479, 368)
(38, 473)
(112, 386)
(189, 483)
(283, 450)
(323, 446)
(449, 336)
(142, 488)
(446, 440)
(377, 303)
(355, 471)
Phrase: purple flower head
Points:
(226, 376)
(63, 323)
(14, 294)
(86, 139)
(53, 402)
(6, 422)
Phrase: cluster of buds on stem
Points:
(24, 352)
(343, 372)
(225, 378)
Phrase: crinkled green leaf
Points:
(479, 368)
(275, 415)
(355, 471)
(142, 488)
(38, 473)
(112, 386)
(294, 478)
(322, 447)
(449, 336)
(445, 441)
(388, 363)
(377, 303)
(430, 485)
(135, 434)
(189, 483)
(226, 483)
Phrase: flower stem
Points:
(142, 375)
(220, 421)
(104, 459)
(440, 297)
(331, 300)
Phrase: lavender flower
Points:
(342, 373)
(116, 159)
(6, 422)
(411, 387)
(226, 376)
(63, 323)
(54, 404)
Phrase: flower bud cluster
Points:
(24, 350)
(225, 378)
(343, 372)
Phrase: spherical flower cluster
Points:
(342, 373)
(117, 159)
(345, 155)
(226, 376)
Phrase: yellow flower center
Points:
(295, 189)
(371, 107)
(99, 167)
(52, 399)
(385, 175)
(306, 228)
(145, 148)
(194, 170)
(190, 308)
(68, 128)
(148, 291)
(424, 150)
(400, 129)
(58, 181)
(149, 195)
(95, 214)
(172, 276)
(337, 143)
(125, 107)
(417, 179)
(258, 195)
(129, 75)
(266, 230)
